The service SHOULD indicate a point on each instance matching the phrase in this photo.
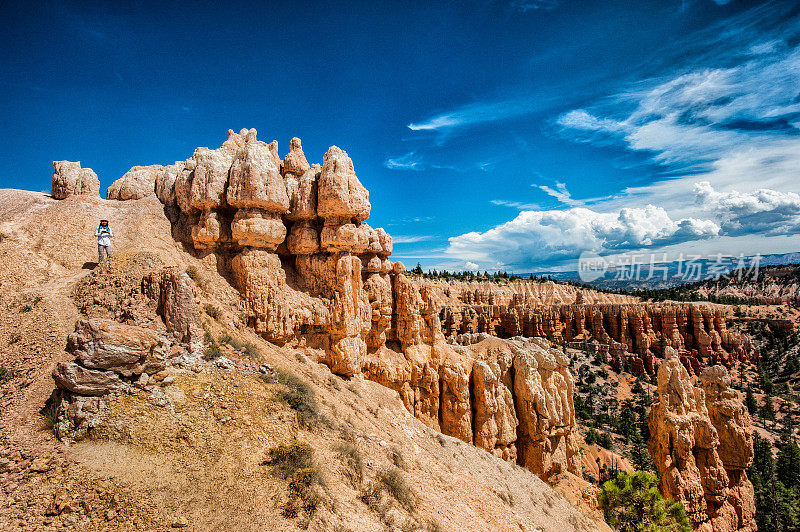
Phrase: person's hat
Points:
(101, 221)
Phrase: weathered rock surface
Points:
(311, 271)
(174, 294)
(124, 349)
(163, 327)
(636, 333)
(137, 183)
(70, 179)
(701, 444)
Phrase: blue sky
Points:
(494, 135)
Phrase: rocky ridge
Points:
(311, 274)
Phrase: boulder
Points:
(100, 344)
(137, 183)
(70, 179)
(82, 381)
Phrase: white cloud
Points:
(762, 211)
(515, 204)
(471, 266)
(735, 127)
(561, 194)
(408, 161)
(474, 114)
(536, 237)
(410, 239)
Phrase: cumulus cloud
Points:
(762, 211)
(542, 237)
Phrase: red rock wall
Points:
(637, 332)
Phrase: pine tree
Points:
(626, 423)
(632, 502)
(639, 453)
(750, 402)
(787, 464)
(767, 411)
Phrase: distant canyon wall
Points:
(636, 332)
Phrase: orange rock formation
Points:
(701, 444)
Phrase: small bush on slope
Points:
(295, 462)
(353, 462)
(298, 395)
(632, 503)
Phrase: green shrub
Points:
(50, 414)
(212, 352)
(5, 374)
(395, 485)
(193, 274)
(286, 459)
(632, 502)
(14, 338)
(250, 350)
(298, 395)
(295, 462)
(303, 478)
(353, 462)
(26, 308)
(398, 459)
(228, 339)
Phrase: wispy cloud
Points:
(534, 5)
(475, 113)
(410, 220)
(516, 205)
(410, 239)
(408, 161)
(561, 194)
(734, 126)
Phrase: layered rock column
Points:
(685, 427)
(311, 272)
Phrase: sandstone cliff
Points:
(311, 272)
(636, 332)
(701, 444)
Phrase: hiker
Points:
(104, 236)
